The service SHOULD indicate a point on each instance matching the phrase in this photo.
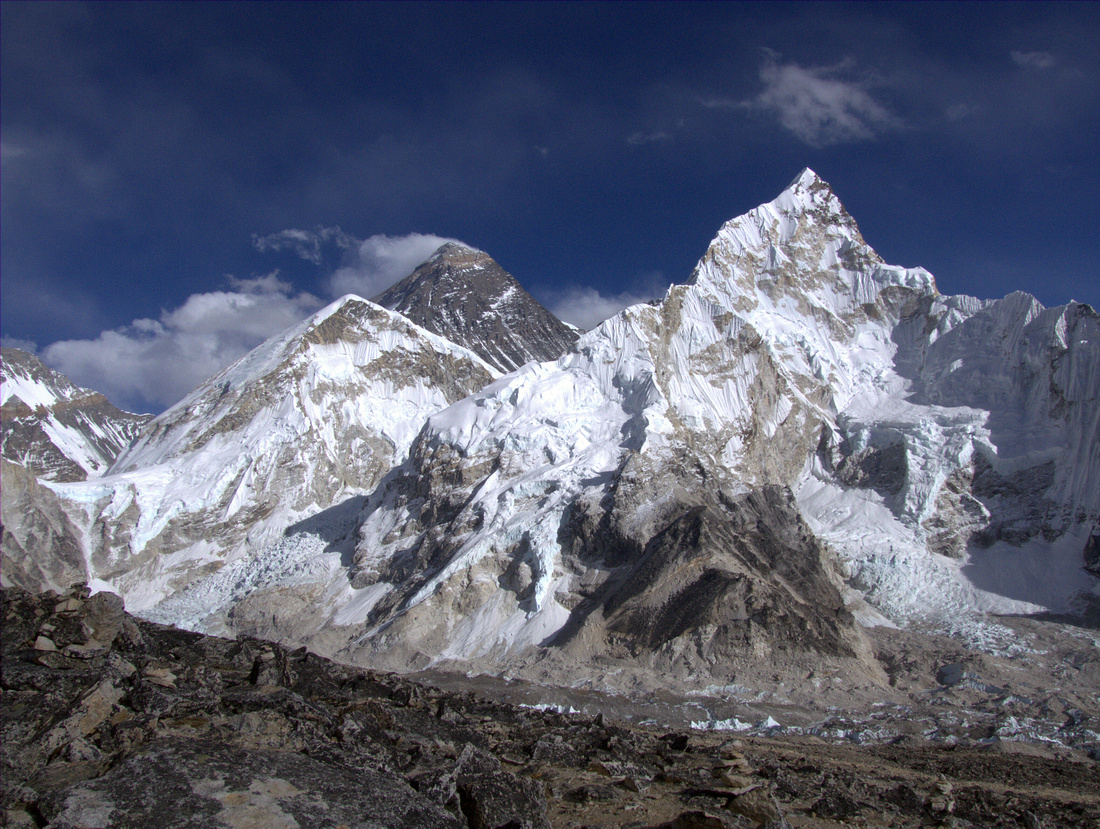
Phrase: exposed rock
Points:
(460, 293)
(168, 728)
(41, 545)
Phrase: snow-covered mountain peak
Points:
(800, 436)
(300, 427)
(55, 428)
(350, 344)
(801, 257)
(456, 253)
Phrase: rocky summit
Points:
(113, 721)
(462, 294)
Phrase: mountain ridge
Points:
(60, 431)
(799, 444)
(311, 418)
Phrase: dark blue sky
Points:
(155, 154)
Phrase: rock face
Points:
(54, 428)
(114, 721)
(460, 293)
(289, 437)
(43, 549)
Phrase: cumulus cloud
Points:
(308, 244)
(817, 104)
(585, 307)
(1033, 60)
(150, 364)
(376, 263)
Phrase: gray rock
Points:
(175, 784)
(952, 674)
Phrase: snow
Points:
(789, 325)
(87, 443)
(869, 348)
(299, 424)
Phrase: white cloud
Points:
(585, 307)
(376, 263)
(368, 266)
(817, 105)
(1034, 60)
(637, 138)
(23, 345)
(305, 243)
(151, 364)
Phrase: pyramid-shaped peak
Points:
(463, 294)
(456, 251)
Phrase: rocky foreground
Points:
(112, 721)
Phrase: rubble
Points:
(130, 723)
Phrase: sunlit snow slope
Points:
(293, 431)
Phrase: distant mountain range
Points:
(798, 442)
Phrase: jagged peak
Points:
(806, 222)
(806, 180)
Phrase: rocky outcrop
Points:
(114, 722)
(462, 294)
(42, 547)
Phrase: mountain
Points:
(799, 442)
(462, 294)
(56, 429)
(290, 436)
(739, 487)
